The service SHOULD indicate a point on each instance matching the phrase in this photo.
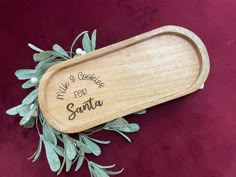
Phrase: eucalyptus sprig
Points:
(70, 150)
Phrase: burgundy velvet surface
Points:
(194, 136)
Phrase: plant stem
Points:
(72, 141)
(36, 122)
(95, 131)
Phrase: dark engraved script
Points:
(73, 78)
(62, 90)
(88, 105)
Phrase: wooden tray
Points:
(114, 81)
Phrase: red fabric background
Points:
(194, 136)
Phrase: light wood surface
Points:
(114, 81)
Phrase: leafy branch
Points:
(70, 150)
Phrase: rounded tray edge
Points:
(203, 73)
(205, 62)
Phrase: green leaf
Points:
(115, 124)
(28, 116)
(91, 170)
(34, 47)
(30, 123)
(79, 162)
(86, 43)
(100, 172)
(95, 149)
(45, 67)
(93, 40)
(28, 84)
(15, 110)
(59, 150)
(41, 64)
(60, 50)
(30, 97)
(69, 148)
(56, 132)
(141, 112)
(49, 134)
(23, 74)
(41, 118)
(132, 127)
(125, 136)
(78, 143)
(42, 55)
(52, 157)
(83, 147)
(99, 141)
(68, 163)
(24, 110)
(103, 167)
(114, 172)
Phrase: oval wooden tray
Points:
(114, 81)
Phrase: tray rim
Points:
(189, 35)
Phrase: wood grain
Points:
(114, 81)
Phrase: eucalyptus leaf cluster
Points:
(63, 150)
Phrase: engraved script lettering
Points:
(92, 78)
(62, 90)
(88, 105)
